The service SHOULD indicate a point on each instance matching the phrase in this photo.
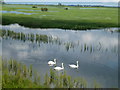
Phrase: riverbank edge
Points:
(59, 24)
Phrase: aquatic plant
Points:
(69, 45)
(18, 75)
(62, 80)
(52, 76)
(96, 85)
(91, 49)
(46, 80)
(32, 37)
(39, 38)
(85, 47)
(24, 37)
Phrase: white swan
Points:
(51, 63)
(74, 66)
(59, 68)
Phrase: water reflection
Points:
(38, 38)
(16, 12)
(96, 51)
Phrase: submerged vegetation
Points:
(18, 75)
(40, 38)
(24, 37)
(74, 18)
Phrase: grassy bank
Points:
(18, 75)
(77, 18)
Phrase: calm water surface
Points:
(16, 12)
(98, 62)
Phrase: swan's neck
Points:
(62, 66)
(55, 61)
(77, 64)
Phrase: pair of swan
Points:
(51, 63)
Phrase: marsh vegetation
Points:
(80, 18)
(38, 46)
(18, 75)
(40, 38)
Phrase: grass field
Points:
(78, 18)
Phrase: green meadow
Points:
(77, 18)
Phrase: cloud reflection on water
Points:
(100, 65)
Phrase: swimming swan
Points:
(51, 63)
(74, 66)
(59, 68)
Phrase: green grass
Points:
(18, 75)
(74, 18)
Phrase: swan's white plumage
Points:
(59, 68)
(51, 63)
(74, 66)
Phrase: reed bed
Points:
(39, 38)
(18, 75)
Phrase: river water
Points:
(96, 51)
